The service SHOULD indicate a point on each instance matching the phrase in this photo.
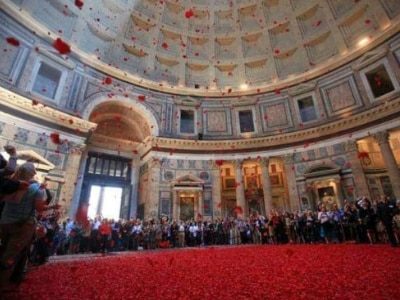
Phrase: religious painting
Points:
(251, 182)
(327, 196)
(187, 208)
(276, 179)
(229, 183)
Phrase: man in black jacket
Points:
(386, 210)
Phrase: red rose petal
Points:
(79, 3)
(189, 13)
(13, 41)
(55, 138)
(219, 162)
(107, 80)
(61, 46)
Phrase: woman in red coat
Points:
(105, 233)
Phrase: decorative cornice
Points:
(48, 114)
(113, 143)
(385, 111)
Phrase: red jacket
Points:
(105, 229)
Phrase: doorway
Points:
(105, 201)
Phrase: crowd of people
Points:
(28, 233)
(358, 222)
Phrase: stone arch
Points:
(128, 102)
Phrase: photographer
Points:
(18, 223)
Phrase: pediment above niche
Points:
(302, 88)
(369, 58)
(189, 180)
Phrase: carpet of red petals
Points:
(246, 272)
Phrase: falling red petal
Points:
(107, 80)
(219, 162)
(13, 41)
(55, 138)
(61, 46)
(189, 13)
(79, 3)
(238, 210)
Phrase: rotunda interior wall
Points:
(368, 82)
(338, 94)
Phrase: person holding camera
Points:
(18, 223)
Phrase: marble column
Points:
(390, 161)
(151, 207)
(290, 174)
(339, 194)
(201, 203)
(303, 193)
(266, 185)
(240, 196)
(134, 188)
(175, 205)
(216, 189)
(360, 181)
(78, 186)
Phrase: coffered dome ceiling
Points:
(215, 47)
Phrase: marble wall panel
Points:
(217, 122)
(341, 96)
(276, 115)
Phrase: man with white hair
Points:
(18, 222)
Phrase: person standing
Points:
(18, 223)
(105, 233)
(324, 220)
(181, 235)
(386, 211)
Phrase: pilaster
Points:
(240, 196)
(266, 185)
(216, 189)
(360, 181)
(390, 161)
(291, 182)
